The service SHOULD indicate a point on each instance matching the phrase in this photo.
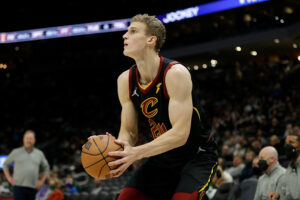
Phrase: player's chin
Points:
(128, 53)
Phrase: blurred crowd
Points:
(251, 106)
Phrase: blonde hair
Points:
(154, 27)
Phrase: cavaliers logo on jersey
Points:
(147, 107)
(158, 87)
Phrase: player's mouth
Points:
(125, 44)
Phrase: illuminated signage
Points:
(205, 9)
(121, 24)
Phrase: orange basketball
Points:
(94, 156)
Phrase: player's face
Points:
(28, 140)
(135, 39)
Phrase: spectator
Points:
(269, 165)
(69, 185)
(275, 142)
(288, 129)
(238, 165)
(247, 172)
(226, 153)
(55, 192)
(245, 190)
(28, 162)
(289, 184)
(296, 129)
(47, 190)
(256, 145)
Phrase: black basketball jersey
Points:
(152, 105)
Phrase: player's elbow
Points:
(183, 137)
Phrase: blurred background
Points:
(244, 62)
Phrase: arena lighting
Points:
(204, 66)
(253, 53)
(213, 62)
(238, 48)
(288, 10)
(196, 67)
(276, 41)
(299, 58)
(295, 46)
(120, 24)
(3, 66)
(65, 31)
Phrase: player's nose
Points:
(125, 36)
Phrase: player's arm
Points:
(179, 86)
(129, 117)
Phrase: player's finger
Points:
(117, 153)
(118, 171)
(108, 134)
(117, 175)
(116, 162)
(121, 142)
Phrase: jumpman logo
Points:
(135, 93)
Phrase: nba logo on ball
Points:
(88, 145)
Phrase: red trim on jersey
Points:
(145, 91)
(208, 138)
(165, 73)
(129, 193)
(130, 82)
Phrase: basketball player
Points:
(158, 105)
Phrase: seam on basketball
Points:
(95, 163)
(101, 153)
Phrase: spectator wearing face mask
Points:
(272, 171)
(289, 184)
(245, 190)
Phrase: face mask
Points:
(263, 165)
(52, 187)
(256, 171)
(290, 151)
(68, 184)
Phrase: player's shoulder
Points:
(124, 76)
(123, 81)
(178, 71)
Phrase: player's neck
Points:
(148, 66)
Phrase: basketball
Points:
(94, 156)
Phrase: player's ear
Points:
(152, 40)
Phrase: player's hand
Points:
(39, 184)
(273, 196)
(127, 157)
(12, 181)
